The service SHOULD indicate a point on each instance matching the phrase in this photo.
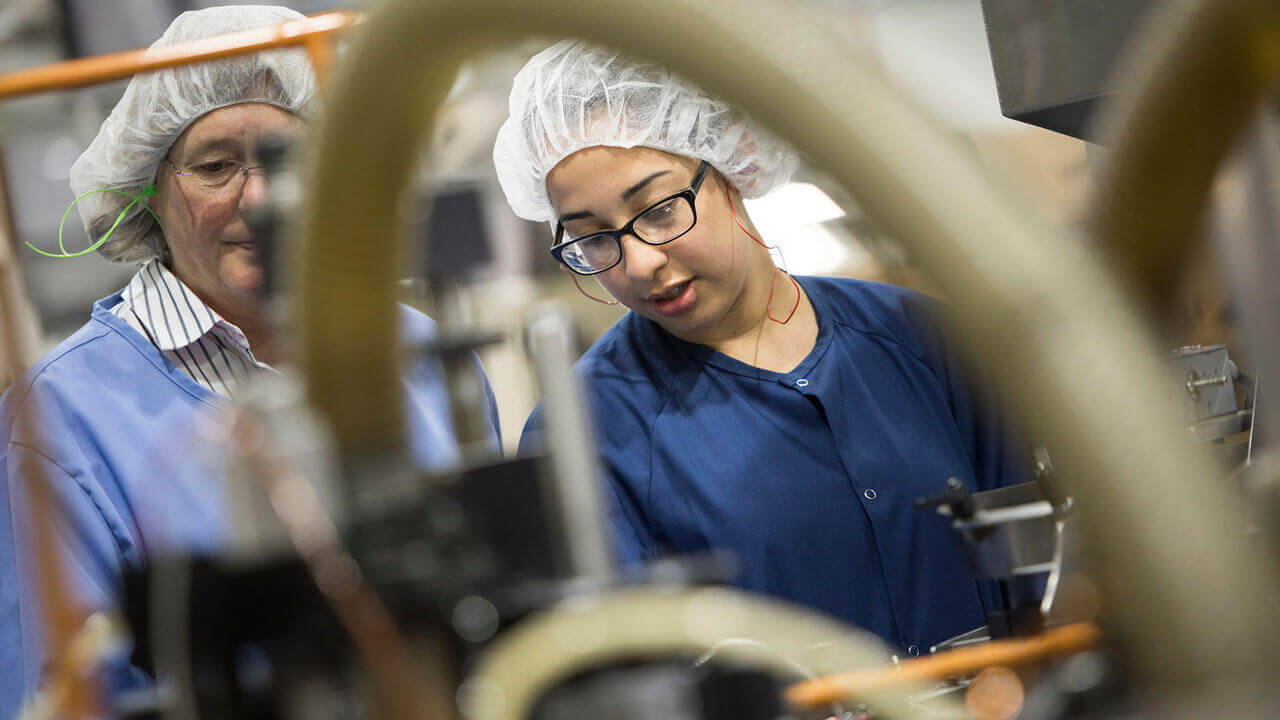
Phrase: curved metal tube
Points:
(1186, 96)
(1034, 302)
(642, 623)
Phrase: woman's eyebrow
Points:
(626, 195)
(208, 145)
(629, 192)
(575, 216)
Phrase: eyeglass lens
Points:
(657, 225)
(216, 173)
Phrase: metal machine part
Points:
(1012, 532)
(1053, 59)
(669, 689)
(570, 443)
(641, 624)
(1012, 535)
(1208, 392)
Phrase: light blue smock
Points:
(116, 425)
(807, 477)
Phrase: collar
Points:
(173, 315)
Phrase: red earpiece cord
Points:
(588, 295)
(768, 306)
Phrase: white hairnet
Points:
(574, 95)
(157, 107)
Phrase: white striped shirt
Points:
(187, 332)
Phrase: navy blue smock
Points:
(808, 476)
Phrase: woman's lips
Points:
(679, 301)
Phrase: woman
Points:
(792, 421)
(116, 403)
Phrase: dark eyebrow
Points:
(575, 216)
(626, 195)
(629, 192)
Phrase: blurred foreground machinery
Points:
(488, 592)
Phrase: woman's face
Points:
(693, 286)
(213, 250)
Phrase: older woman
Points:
(792, 421)
(115, 402)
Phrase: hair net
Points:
(157, 107)
(575, 95)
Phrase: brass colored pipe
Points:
(1013, 652)
(19, 325)
(645, 623)
(1170, 129)
(123, 65)
(1184, 594)
(17, 350)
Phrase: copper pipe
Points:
(322, 52)
(407, 690)
(1015, 652)
(19, 329)
(62, 618)
(122, 65)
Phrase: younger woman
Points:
(792, 421)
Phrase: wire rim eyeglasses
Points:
(661, 222)
(214, 175)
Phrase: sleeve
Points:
(632, 542)
(999, 455)
(494, 425)
(431, 436)
(88, 559)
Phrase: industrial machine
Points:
(377, 590)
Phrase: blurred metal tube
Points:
(19, 325)
(569, 440)
(18, 350)
(1032, 300)
(1187, 89)
(99, 69)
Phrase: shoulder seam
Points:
(881, 336)
(31, 382)
(120, 545)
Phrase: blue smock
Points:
(117, 430)
(809, 476)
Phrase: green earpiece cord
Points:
(146, 192)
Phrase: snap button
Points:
(869, 494)
(802, 383)
(913, 650)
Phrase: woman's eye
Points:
(214, 166)
(662, 213)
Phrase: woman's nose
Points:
(642, 260)
(254, 193)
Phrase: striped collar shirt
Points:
(186, 331)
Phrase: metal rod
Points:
(852, 686)
(569, 439)
(122, 65)
(17, 349)
(19, 324)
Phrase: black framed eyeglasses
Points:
(658, 224)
